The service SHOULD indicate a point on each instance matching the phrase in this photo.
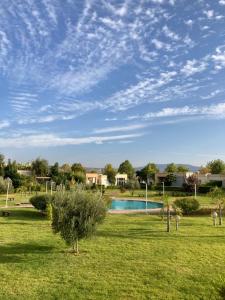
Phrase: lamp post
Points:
(195, 191)
(163, 184)
(146, 196)
(7, 192)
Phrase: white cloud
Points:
(120, 128)
(209, 13)
(216, 110)
(193, 66)
(4, 124)
(51, 140)
(170, 34)
(222, 2)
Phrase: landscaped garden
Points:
(131, 257)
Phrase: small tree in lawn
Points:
(76, 214)
(166, 201)
(218, 197)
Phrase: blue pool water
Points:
(132, 204)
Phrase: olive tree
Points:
(218, 197)
(75, 215)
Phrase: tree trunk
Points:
(177, 225)
(77, 248)
(168, 218)
(220, 215)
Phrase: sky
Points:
(100, 81)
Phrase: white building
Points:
(206, 178)
(180, 178)
(95, 178)
(121, 179)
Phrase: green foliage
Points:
(169, 179)
(4, 185)
(2, 165)
(40, 167)
(217, 195)
(126, 168)
(171, 168)
(41, 202)
(187, 205)
(77, 167)
(216, 166)
(76, 214)
(182, 169)
(148, 172)
(110, 172)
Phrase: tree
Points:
(169, 179)
(182, 169)
(126, 168)
(2, 164)
(132, 185)
(65, 168)
(54, 170)
(10, 171)
(187, 205)
(218, 197)
(148, 172)
(77, 167)
(190, 183)
(110, 172)
(79, 173)
(171, 168)
(204, 170)
(40, 167)
(75, 215)
(216, 166)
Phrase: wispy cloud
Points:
(130, 127)
(52, 140)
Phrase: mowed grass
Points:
(131, 257)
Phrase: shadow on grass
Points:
(147, 234)
(26, 214)
(12, 253)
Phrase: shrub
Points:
(188, 205)
(41, 202)
(76, 214)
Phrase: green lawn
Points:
(131, 257)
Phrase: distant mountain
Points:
(162, 167)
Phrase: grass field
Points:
(131, 257)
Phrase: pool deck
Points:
(152, 211)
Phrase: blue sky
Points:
(103, 81)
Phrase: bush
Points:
(188, 205)
(41, 202)
(76, 214)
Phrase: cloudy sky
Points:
(101, 81)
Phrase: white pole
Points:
(163, 188)
(46, 187)
(146, 195)
(195, 191)
(7, 194)
(51, 187)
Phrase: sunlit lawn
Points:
(131, 257)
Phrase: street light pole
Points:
(7, 193)
(146, 195)
(163, 188)
(46, 187)
(195, 191)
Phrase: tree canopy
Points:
(127, 168)
(171, 168)
(40, 167)
(110, 172)
(216, 166)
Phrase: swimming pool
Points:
(126, 204)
